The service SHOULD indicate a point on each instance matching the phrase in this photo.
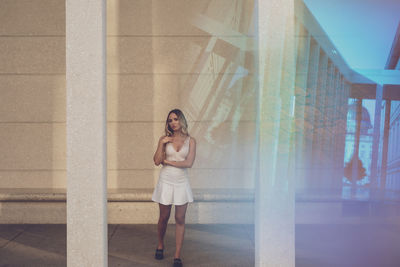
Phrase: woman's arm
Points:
(188, 162)
(159, 155)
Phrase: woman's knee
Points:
(165, 211)
(164, 218)
(180, 219)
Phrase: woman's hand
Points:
(166, 139)
(159, 155)
(187, 163)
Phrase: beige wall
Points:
(32, 93)
(162, 54)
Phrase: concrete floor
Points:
(208, 245)
(131, 245)
(362, 245)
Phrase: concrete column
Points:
(330, 126)
(274, 197)
(86, 133)
(318, 133)
(345, 89)
(385, 145)
(355, 169)
(338, 132)
(319, 106)
(392, 144)
(327, 137)
(327, 109)
(302, 67)
(376, 136)
(327, 131)
(309, 110)
(334, 118)
(298, 34)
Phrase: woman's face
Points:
(173, 122)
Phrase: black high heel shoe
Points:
(159, 254)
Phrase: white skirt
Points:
(173, 187)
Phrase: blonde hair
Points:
(182, 121)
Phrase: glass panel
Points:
(393, 170)
(198, 57)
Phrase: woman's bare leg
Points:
(165, 211)
(180, 212)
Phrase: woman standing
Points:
(176, 151)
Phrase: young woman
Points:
(176, 151)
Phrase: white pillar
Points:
(274, 198)
(86, 133)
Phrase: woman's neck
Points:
(178, 133)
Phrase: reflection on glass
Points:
(364, 142)
(393, 171)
